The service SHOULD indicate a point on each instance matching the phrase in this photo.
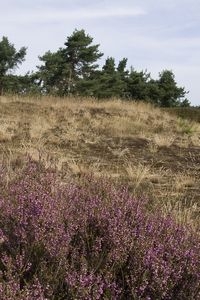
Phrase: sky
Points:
(153, 34)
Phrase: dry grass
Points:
(138, 174)
(133, 143)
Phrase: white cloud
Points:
(70, 15)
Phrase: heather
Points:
(85, 238)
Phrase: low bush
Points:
(89, 240)
(189, 113)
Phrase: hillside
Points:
(155, 153)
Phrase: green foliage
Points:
(22, 85)
(80, 54)
(163, 92)
(10, 58)
(138, 85)
(153, 92)
(111, 81)
(170, 94)
(54, 73)
(73, 69)
(63, 70)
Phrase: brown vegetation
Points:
(154, 152)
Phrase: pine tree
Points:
(137, 85)
(170, 94)
(10, 58)
(64, 71)
(111, 80)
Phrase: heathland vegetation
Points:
(99, 190)
(99, 200)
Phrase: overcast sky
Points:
(153, 34)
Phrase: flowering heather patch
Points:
(89, 240)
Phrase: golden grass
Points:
(138, 174)
(133, 143)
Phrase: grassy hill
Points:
(155, 153)
(98, 200)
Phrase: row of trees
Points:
(73, 70)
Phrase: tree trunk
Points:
(69, 82)
(1, 86)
